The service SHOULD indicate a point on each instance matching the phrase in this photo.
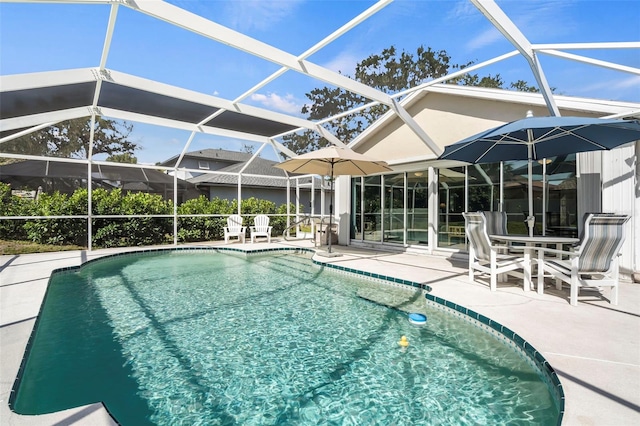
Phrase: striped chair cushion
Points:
(604, 235)
(477, 234)
(496, 222)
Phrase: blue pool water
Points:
(216, 338)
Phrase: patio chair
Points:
(496, 222)
(234, 228)
(593, 263)
(486, 258)
(260, 228)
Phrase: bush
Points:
(62, 231)
(125, 232)
(280, 222)
(203, 228)
(10, 205)
(135, 231)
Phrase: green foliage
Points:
(203, 228)
(59, 231)
(206, 228)
(135, 231)
(279, 223)
(390, 71)
(13, 206)
(393, 71)
(124, 157)
(71, 139)
(254, 206)
(125, 232)
(523, 86)
(475, 80)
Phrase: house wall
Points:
(276, 195)
(607, 181)
(446, 119)
(619, 195)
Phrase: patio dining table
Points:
(530, 242)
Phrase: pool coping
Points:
(515, 341)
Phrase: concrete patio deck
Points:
(594, 347)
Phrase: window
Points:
(418, 207)
(393, 214)
(372, 208)
(203, 165)
(452, 201)
(356, 208)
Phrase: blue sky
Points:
(43, 37)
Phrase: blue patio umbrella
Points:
(535, 138)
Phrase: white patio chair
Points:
(486, 258)
(593, 263)
(234, 228)
(261, 228)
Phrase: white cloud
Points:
(259, 14)
(616, 89)
(274, 101)
(486, 38)
(463, 12)
(539, 21)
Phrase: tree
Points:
(248, 148)
(475, 80)
(70, 139)
(523, 86)
(390, 71)
(123, 158)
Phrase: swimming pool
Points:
(217, 337)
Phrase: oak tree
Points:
(390, 71)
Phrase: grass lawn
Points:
(25, 247)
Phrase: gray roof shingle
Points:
(259, 166)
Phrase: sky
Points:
(38, 37)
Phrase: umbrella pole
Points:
(330, 207)
(531, 218)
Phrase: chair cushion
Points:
(563, 267)
(496, 222)
(604, 235)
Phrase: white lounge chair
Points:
(484, 257)
(593, 263)
(234, 228)
(260, 228)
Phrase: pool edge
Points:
(487, 324)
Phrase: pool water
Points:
(216, 338)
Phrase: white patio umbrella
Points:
(535, 138)
(333, 161)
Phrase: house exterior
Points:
(419, 206)
(218, 172)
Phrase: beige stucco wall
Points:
(446, 119)
(608, 180)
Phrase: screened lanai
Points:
(192, 76)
